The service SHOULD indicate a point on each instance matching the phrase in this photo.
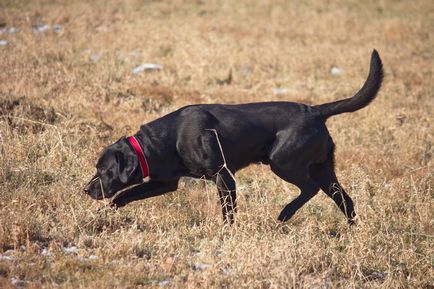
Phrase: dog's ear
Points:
(127, 162)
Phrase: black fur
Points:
(290, 137)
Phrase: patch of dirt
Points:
(25, 116)
(154, 97)
(98, 127)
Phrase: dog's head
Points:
(117, 168)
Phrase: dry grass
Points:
(64, 96)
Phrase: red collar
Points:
(142, 160)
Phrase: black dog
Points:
(215, 140)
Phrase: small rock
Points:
(45, 252)
(336, 70)
(200, 266)
(9, 30)
(93, 257)
(40, 28)
(18, 283)
(5, 258)
(377, 275)
(147, 67)
(3, 42)
(280, 90)
(70, 250)
(163, 282)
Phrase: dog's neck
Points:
(140, 154)
(159, 153)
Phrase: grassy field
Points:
(67, 90)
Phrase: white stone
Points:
(336, 70)
(147, 66)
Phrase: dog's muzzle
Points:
(94, 188)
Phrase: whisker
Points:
(94, 179)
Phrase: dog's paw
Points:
(116, 204)
(284, 216)
(352, 222)
(286, 213)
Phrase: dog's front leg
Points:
(144, 191)
(227, 193)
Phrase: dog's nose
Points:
(87, 188)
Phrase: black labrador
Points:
(216, 140)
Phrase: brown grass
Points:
(64, 96)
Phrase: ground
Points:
(69, 89)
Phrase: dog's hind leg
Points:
(307, 192)
(325, 176)
(308, 189)
(290, 157)
(227, 193)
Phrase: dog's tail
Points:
(363, 97)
